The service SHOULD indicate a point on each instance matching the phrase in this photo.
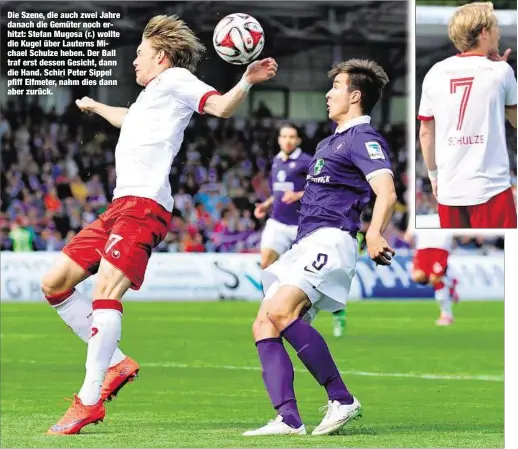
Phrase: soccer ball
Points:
(238, 38)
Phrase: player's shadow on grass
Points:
(357, 429)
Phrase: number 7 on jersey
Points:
(466, 84)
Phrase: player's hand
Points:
(495, 56)
(260, 71)
(260, 210)
(86, 104)
(379, 249)
(434, 187)
(290, 197)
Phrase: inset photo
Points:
(465, 170)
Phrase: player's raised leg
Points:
(88, 407)
(284, 310)
(79, 259)
(278, 377)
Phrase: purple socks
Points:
(312, 350)
(278, 379)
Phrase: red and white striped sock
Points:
(76, 311)
(106, 334)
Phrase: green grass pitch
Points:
(200, 384)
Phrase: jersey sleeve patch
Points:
(374, 150)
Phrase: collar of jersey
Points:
(362, 119)
(467, 54)
(294, 155)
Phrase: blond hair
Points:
(366, 76)
(467, 23)
(176, 39)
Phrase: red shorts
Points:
(431, 261)
(499, 212)
(124, 235)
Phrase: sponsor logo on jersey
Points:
(319, 165)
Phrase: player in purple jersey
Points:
(287, 181)
(349, 169)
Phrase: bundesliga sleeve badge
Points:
(374, 150)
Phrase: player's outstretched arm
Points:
(378, 248)
(112, 114)
(226, 105)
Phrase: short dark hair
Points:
(291, 126)
(366, 76)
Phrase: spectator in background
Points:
(78, 189)
(21, 237)
(52, 201)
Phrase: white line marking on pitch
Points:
(350, 373)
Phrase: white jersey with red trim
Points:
(466, 95)
(153, 131)
(433, 239)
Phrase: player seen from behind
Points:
(465, 101)
(316, 273)
(118, 244)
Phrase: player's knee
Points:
(53, 284)
(280, 316)
(260, 324)
(420, 277)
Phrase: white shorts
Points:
(322, 265)
(278, 236)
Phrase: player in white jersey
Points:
(464, 104)
(430, 267)
(119, 243)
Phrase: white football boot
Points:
(276, 427)
(337, 415)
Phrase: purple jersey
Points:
(288, 176)
(338, 190)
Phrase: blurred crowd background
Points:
(58, 173)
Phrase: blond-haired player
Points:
(465, 101)
(118, 244)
